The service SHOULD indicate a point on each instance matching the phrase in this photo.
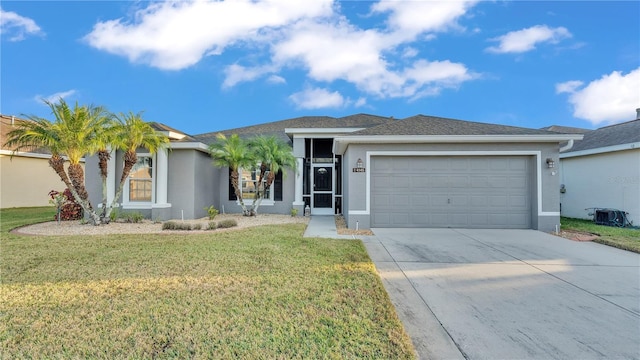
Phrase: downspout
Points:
(566, 147)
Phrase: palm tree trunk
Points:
(76, 174)
(103, 161)
(130, 159)
(236, 188)
(57, 163)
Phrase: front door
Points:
(322, 196)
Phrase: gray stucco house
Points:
(422, 171)
(603, 171)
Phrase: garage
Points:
(451, 191)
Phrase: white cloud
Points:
(360, 102)
(568, 86)
(293, 34)
(175, 35)
(16, 26)
(276, 79)
(316, 98)
(410, 18)
(54, 97)
(236, 73)
(610, 99)
(526, 39)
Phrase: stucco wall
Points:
(609, 180)
(191, 185)
(26, 181)
(544, 218)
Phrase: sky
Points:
(203, 66)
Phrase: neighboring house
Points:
(603, 171)
(421, 171)
(25, 176)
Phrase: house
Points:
(422, 171)
(25, 176)
(603, 171)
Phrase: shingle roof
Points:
(566, 129)
(6, 126)
(618, 134)
(164, 128)
(431, 125)
(277, 128)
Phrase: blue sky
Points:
(204, 66)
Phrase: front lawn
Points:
(263, 292)
(623, 238)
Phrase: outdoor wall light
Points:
(550, 163)
(359, 164)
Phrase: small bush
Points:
(212, 212)
(197, 227)
(212, 225)
(294, 212)
(172, 225)
(69, 208)
(228, 223)
(133, 217)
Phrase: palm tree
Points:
(70, 135)
(232, 152)
(274, 155)
(104, 138)
(132, 133)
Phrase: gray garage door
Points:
(440, 191)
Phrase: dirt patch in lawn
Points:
(341, 226)
(578, 235)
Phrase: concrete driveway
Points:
(510, 294)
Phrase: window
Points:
(248, 184)
(140, 183)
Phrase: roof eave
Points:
(343, 142)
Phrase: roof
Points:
(8, 124)
(566, 129)
(173, 134)
(618, 134)
(277, 128)
(432, 125)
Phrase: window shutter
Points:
(277, 187)
(232, 192)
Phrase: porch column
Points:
(298, 188)
(162, 174)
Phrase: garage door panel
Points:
(481, 192)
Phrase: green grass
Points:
(623, 238)
(263, 292)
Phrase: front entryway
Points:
(322, 191)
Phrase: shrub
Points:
(228, 223)
(212, 212)
(172, 225)
(294, 212)
(69, 208)
(132, 217)
(212, 225)
(197, 227)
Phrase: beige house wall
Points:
(26, 181)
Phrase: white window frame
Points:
(128, 204)
(265, 201)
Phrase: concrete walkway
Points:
(324, 226)
(510, 294)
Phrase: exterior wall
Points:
(546, 216)
(26, 181)
(608, 180)
(191, 187)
